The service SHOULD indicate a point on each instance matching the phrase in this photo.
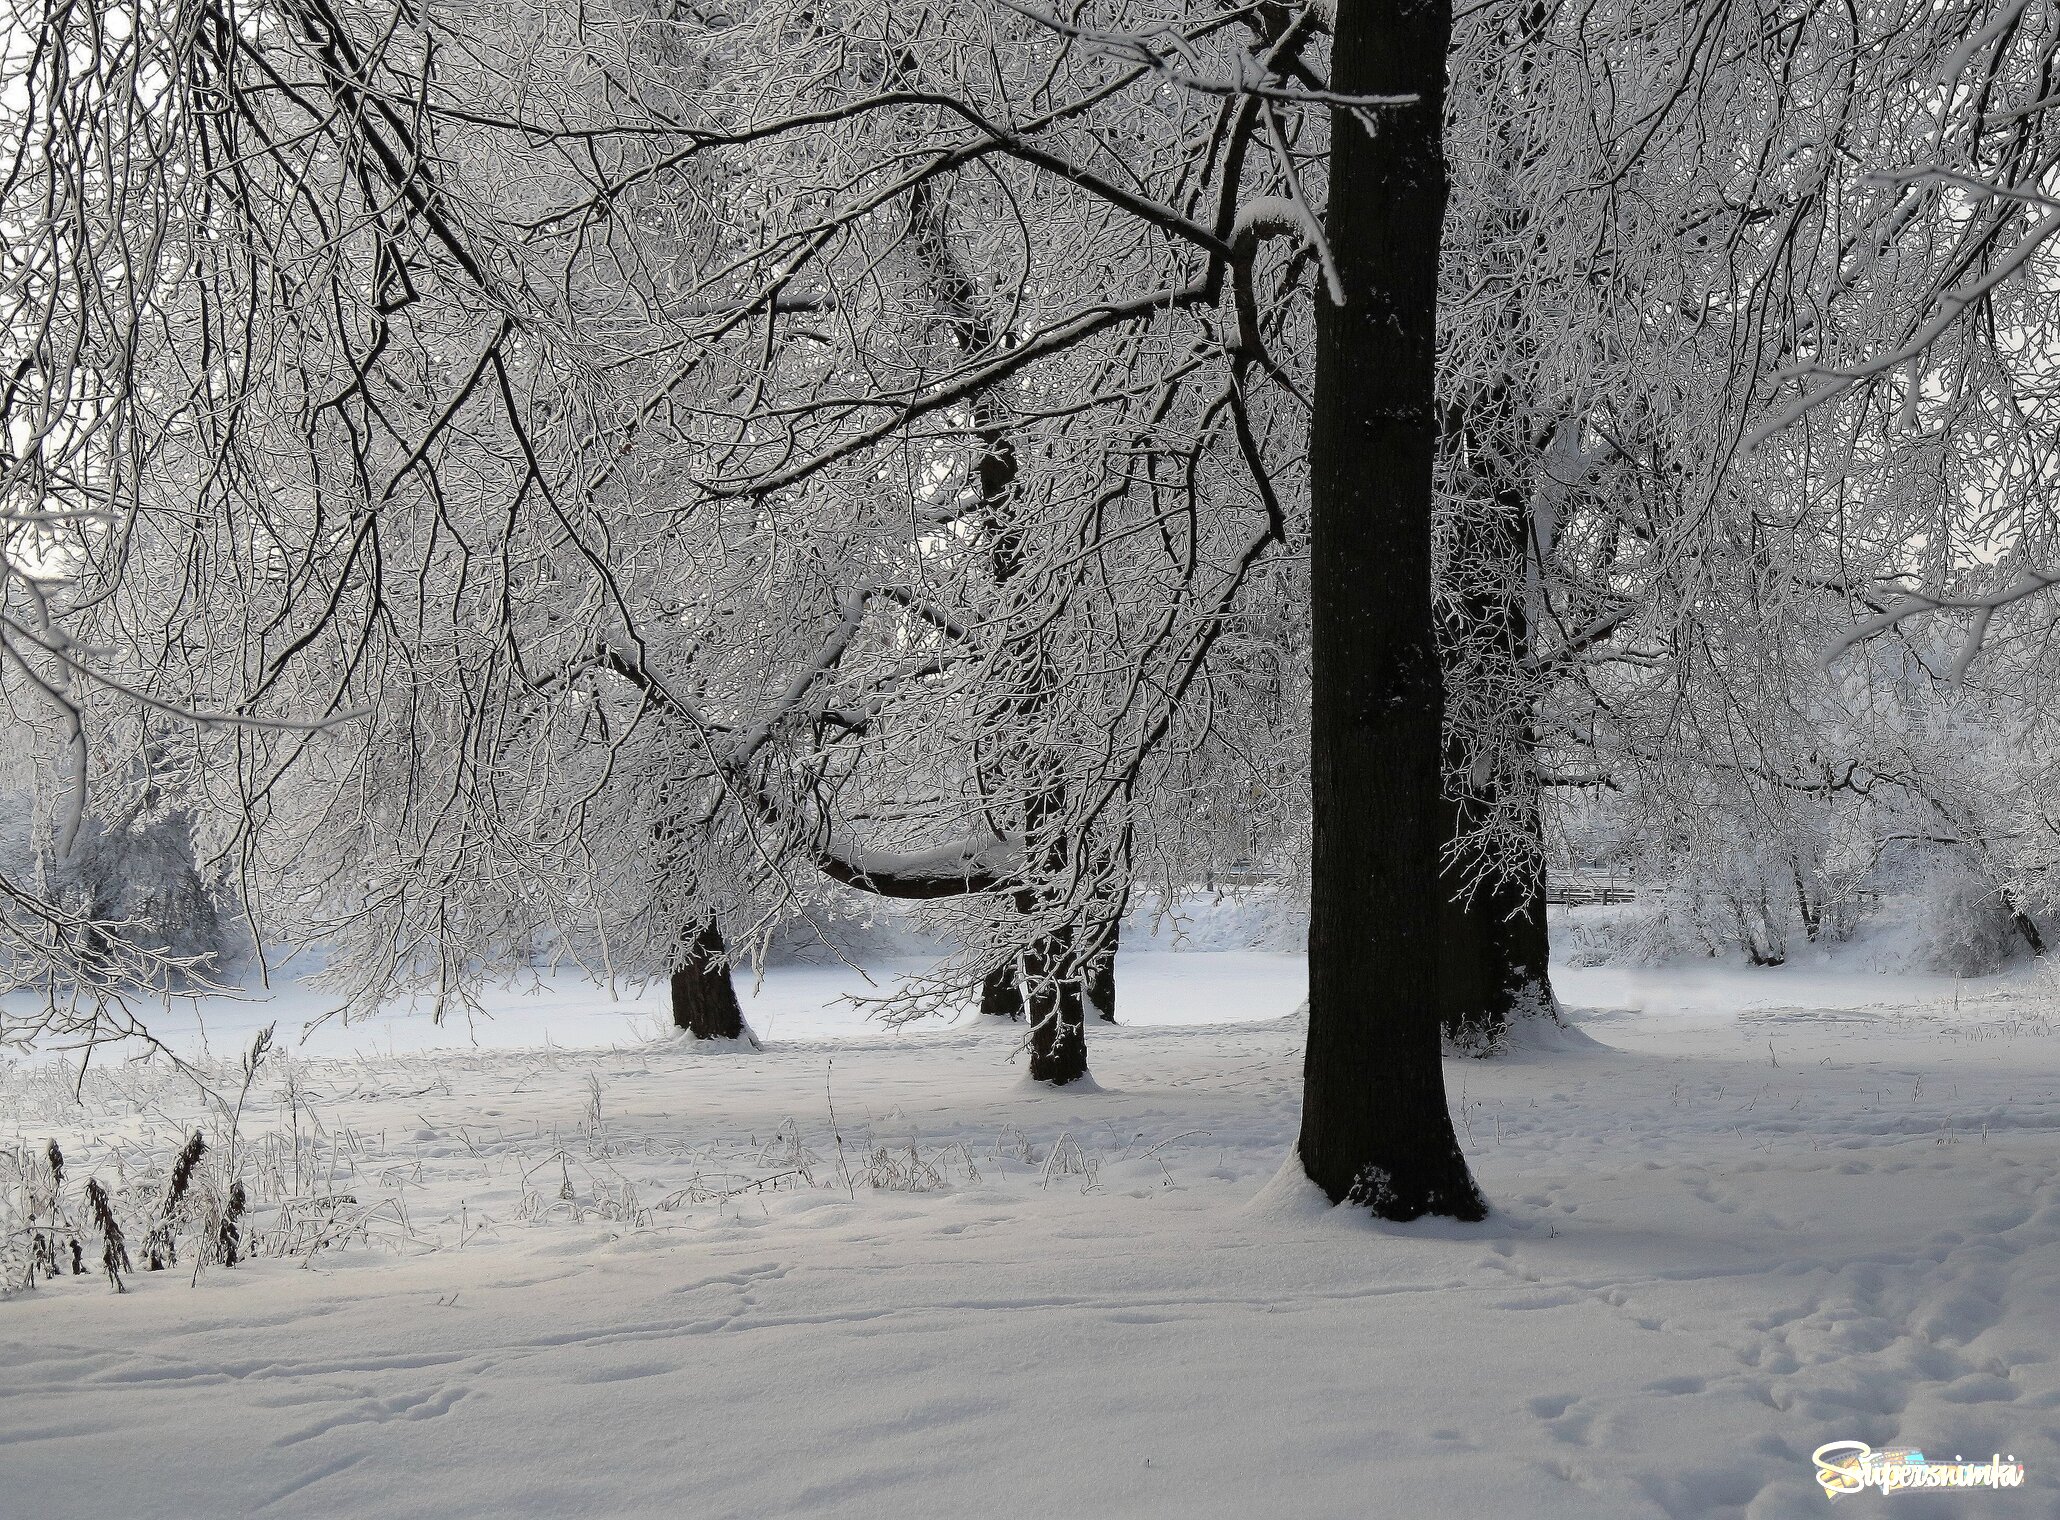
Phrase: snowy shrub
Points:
(49, 1229)
(1649, 932)
(1953, 922)
(36, 1234)
(784, 1151)
(900, 1170)
(604, 1194)
(114, 1246)
(161, 1246)
(140, 873)
(1729, 915)
(183, 1199)
(1761, 861)
(1068, 1158)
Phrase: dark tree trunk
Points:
(1493, 962)
(1376, 1129)
(2022, 922)
(1054, 963)
(704, 1002)
(1001, 996)
(1493, 944)
(1101, 967)
(1058, 1034)
(1812, 912)
(1001, 993)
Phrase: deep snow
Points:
(1761, 1212)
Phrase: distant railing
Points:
(1577, 891)
(1573, 891)
(1242, 873)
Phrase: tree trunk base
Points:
(1057, 1004)
(1447, 1192)
(1494, 965)
(1486, 1032)
(1058, 1039)
(704, 1000)
(1101, 983)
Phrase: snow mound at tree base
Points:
(1083, 1086)
(747, 1043)
(1290, 1201)
(1545, 1035)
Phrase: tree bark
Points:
(1494, 949)
(1001, 993)
(704, 1000)
(1494, 957)
(1001, 997)
(1376, 1129)
(1055, 1005)
(1493, 943)
(1101, 967)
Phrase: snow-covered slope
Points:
(1723, 1237)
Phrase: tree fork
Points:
(1001, 994)
(1376, 1129)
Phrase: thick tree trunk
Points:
(1058, 1034)
(1001, 995)
(1493, 954)
(1101, 967)
(704, 1001)
(1376, 1130)
(1493, 941)
(1494, 949)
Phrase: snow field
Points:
(1724, 1236)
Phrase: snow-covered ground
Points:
(783, 1003)
(619, 1276)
